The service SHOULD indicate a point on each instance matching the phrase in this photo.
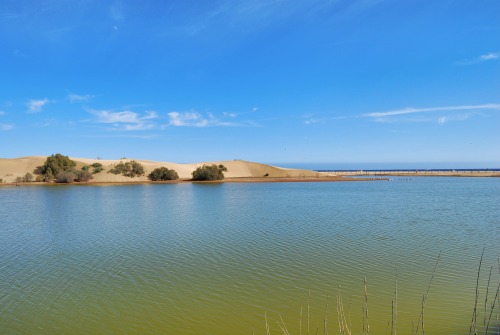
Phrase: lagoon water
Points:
(214, 258)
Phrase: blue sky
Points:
(380, 82)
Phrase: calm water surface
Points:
(212, 259)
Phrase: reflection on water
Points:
(212, 259)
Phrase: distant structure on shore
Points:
(417, 172)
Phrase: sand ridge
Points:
(11, 168)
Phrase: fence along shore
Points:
(417, 172)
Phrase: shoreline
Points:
(327, 179)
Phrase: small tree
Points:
(136, 169)
(163, 173)
(56, 164)
(209, 172)
(28, 178)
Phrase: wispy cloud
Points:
(313, 119)
(76, 98)
(489, 56)
(445, 119)
(412, 110)
(195, 119)
(125, 120)
(35, 106)
(448, 113)
(6, 126)
(126, 135)
(258, 14)
(482, 58)
(189, 119)
(231, 115)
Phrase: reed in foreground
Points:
(485, 318)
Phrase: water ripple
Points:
(190, 259)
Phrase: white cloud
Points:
(482, 58)
(312, 118)
(412, 110)
(35, 106)
(445, 119)
(5, 126)
(231, 115)
(490, 56)
(138, 126)
(150, 115)
(74, 98)
(442, 119)
(313, 121)
(126, 120)
(195, 119)
(188, 119)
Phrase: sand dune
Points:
(12, 168)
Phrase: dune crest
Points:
(11, 168)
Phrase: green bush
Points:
(28, 178)
(97, 167)
(60, 168)
(54, 165)
(73, 175)
(163, 173)
(209, 172)
(128, 169)
(66, 177)
(83, 176)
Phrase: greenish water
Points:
(212, 259)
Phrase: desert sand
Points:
(237, 170)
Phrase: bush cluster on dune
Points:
(128, 169)
(163, 174)
(209, 172)
(62, 169)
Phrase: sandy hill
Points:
(11, 168)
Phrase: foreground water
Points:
(212, 259)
